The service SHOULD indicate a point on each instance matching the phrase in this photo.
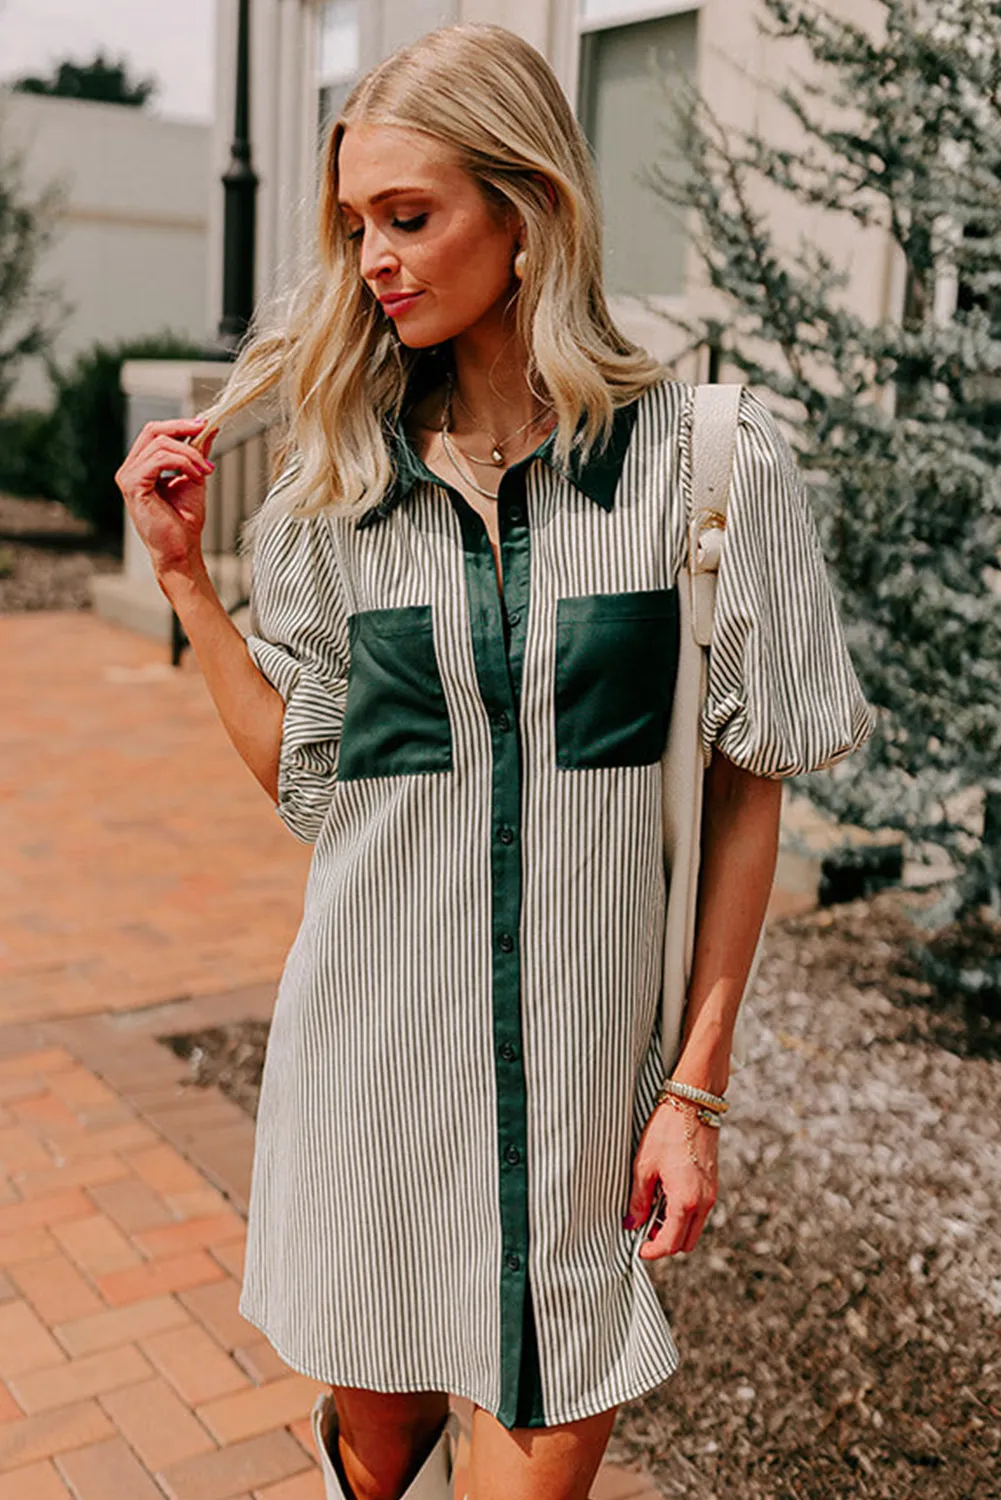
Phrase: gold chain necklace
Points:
(463, 474)
(496, 459)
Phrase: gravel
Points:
(839, 1320)
(47, 557)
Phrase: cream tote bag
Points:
(714, 435)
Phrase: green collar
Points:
(597, 476)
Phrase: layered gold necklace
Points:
(497, 459)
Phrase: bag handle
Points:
(714, 439)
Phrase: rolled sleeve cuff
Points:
(776, 750)
(311, 728)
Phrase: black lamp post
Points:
(239, 253)
(240, 223)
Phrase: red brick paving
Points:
(141, 859)
(118, 1375)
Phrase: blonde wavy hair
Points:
(330, 359)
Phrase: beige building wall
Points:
(740, 71)
(129, 254)
(736, 68)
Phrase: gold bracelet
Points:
(702, 1114)
(716, 1102)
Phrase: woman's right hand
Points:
(168, 510)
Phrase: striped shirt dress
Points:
(466, 1040)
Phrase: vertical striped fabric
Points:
(380, 1216)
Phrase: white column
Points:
(404, 21)
(265, 109)
(222, 134)
(296, 128)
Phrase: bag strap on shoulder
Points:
(714, 438)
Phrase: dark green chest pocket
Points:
(616, 667)
(395, 718)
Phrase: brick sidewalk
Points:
(141, 861)
(126, 1372)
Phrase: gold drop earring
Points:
(520, 265)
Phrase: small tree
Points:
(102, 80)
(29, 313)
(900, 423)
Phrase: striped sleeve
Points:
(783, 697)
(294, 608)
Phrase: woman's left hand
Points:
(663, 1160)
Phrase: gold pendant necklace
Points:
(496, 459)
(463, 475)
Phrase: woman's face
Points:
(431, 248)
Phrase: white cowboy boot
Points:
(432, 1482)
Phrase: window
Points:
(625, 48)
(339, 55)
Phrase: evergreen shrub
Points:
(897, 420)
(88, 427)
(25, 449)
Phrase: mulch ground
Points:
(839, 1323)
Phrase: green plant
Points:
(88, 441)
(102, 80)
(26, 454)
(30, 313)
(898, 421)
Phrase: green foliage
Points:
(26, 439)
(101, 80)
(89, 427)
(898, 423)
(30, 313)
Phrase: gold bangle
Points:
(716, 1102)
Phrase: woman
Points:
(458, 684)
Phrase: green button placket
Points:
(498, 670)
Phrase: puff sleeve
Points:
(782, 697)
(298, 641)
